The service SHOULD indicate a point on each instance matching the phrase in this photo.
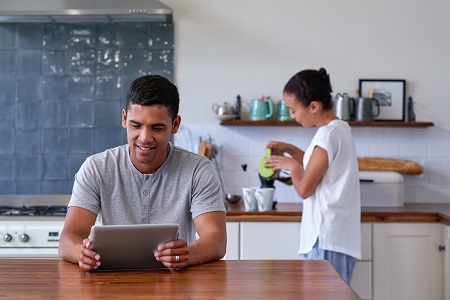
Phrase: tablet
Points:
(130, 247)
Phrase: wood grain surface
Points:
(268, 279)
(292, 212)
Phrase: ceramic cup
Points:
(248, 194)
(283, 113)
(264, 198)
(261, 109)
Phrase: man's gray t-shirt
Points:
(184, 187)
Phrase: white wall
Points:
(251, 48)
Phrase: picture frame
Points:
(390, 93)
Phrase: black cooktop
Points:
(38, 210)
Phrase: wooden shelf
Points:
(352, 123)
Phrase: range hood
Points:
(68, 11)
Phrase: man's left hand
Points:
(173, 254)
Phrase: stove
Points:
(42, 210)
(31, 230)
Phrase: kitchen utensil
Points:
(411, 113)
(283, 113)
(267, 172)
(224, 109)
(250, 202)
(389, 164)
(365, 109)
(344, 107)
(238, 107)
(213, 157)
(205, 147)
(261, 109)
(264, 197)
(232, 198)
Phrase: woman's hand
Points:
(279, 147)
(279, 162)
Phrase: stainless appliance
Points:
(29, 230)
(84, 11)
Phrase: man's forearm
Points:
(70, 247)
(208, 248)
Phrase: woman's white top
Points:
(333, 212)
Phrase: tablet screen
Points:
(130, 246)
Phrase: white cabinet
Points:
(280, 240)
(447, 262)
(269, 240)
(399, 260)
(361, 281)
(232, 241)
(406, 261)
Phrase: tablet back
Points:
(130, 246)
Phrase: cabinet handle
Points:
(441, 248)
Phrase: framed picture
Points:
(390, 94)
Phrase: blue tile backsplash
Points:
(62, 89)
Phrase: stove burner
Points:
(52, 210)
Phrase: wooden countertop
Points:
(232, 279)
(289, 212)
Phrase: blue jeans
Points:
(342, 263)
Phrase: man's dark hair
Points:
(311, 85)
(154, 89)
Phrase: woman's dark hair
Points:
(154, 89)
(311, 85)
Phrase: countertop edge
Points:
(292, 212)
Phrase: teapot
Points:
(224, 109)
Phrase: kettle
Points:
(224, 109)
(261, 109)
(344, 107)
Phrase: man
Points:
(149, 180)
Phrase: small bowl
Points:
(232, 198)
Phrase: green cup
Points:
(283, 113)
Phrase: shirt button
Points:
(147, 177)
(144, 220)
(145, 207)
(145, 193)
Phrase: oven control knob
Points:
(24, 238)
(7, 238)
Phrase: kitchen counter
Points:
(236, 279)
(293, 212)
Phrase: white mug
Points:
(264, 197)
(248, 194)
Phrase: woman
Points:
(325, 175)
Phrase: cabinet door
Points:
(270, 240)
(447, 262)
(232, 241)
(407, 263)
(362, 274)
(362, 279)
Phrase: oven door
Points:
(30, 239)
